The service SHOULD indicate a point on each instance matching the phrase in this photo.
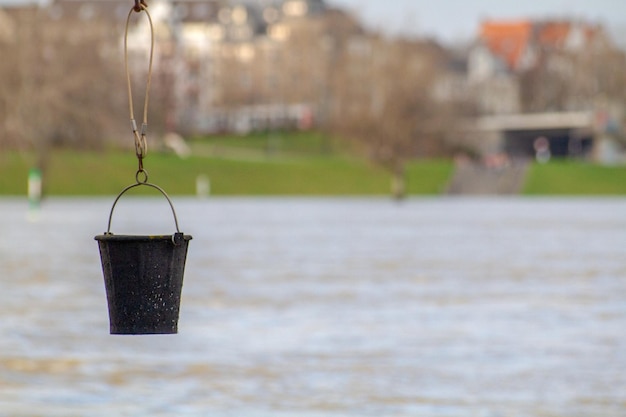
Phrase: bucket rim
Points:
(138, 238)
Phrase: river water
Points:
(325, 307)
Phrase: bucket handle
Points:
(139, 183)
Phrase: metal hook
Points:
(139, 5)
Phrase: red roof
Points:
(554, 33)
(508, 40)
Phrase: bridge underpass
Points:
(562, 142)
(568, 133)
(514, 136)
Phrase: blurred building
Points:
(507, 50)
(243, 65)
(219, 65)
(228, 63)
(548, 79)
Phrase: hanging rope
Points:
(141, 142)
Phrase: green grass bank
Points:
(71, 173)
(308, 164)
(569, 177)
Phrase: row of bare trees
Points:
(376, 92)
(55, 82)
(572, 79)
(61, 83)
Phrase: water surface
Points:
(325, 307)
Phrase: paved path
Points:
(478, 179)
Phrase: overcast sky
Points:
(452, 20)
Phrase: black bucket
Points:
(143, 277)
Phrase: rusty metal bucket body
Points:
(143, 278)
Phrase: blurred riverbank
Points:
(71, 173)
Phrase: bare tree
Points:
(57, 74)
(384, 101)
(573, 79)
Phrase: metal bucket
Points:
(143, 277)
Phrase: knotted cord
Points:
(141, 142)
